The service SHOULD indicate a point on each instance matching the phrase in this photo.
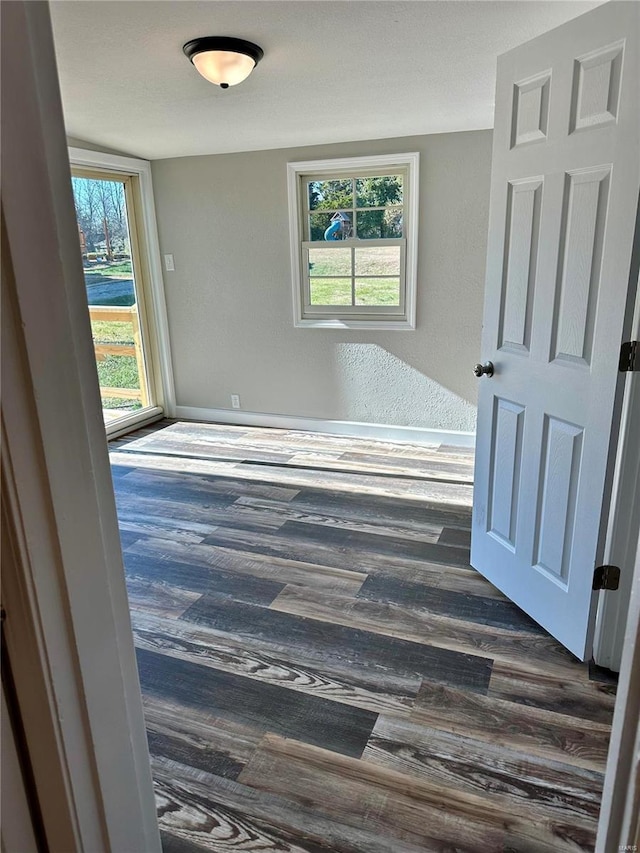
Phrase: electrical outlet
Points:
(235, 401)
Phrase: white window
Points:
(354, 225)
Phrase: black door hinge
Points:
(606, 577)
(629, 357)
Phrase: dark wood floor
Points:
(321, 668)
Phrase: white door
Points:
(564, 193)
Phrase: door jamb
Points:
(68, 629)
(619, 824)
(624, 514)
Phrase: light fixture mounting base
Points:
(227, 43)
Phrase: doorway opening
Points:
(112, 261)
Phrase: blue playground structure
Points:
(332, 231)
(340, 222)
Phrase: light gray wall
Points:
(73, 142)
(224, 218)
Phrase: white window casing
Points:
(150, 286)
(306, 315)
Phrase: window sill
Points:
(333, 323)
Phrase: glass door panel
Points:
(109, 247)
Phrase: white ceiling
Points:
(333, 71)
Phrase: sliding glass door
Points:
(114, 273)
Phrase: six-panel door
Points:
(564, 193)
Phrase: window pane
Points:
(330, 291)
(377, 291)
(378, 260)
(377, 224)
(318, 224)
(330, 226)
(330, 262)
(330, 195)
(101, 212)
(379, 192)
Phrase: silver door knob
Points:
(485, 369)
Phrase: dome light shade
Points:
(223, 61)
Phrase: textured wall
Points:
(225, 220)
(72, 142)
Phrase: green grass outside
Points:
(330, 291)
(369, 291)
(112, 331)
(378, 260)
(380, 291)
(329, 262)
(370, 261)
(119, 371)
(116, 371)
(122, 269)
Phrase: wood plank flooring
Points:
(321, 668)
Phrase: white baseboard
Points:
(384, 432)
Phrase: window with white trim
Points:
(353, 241)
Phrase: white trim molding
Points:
(408, 161)
(132, 421)
(68, 628)
(142, 169)
(619, 824)
(622, 531)
(383, 432)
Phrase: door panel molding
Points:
(566, 140)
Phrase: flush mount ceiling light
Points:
(223, 61)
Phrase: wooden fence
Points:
(128, 315)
